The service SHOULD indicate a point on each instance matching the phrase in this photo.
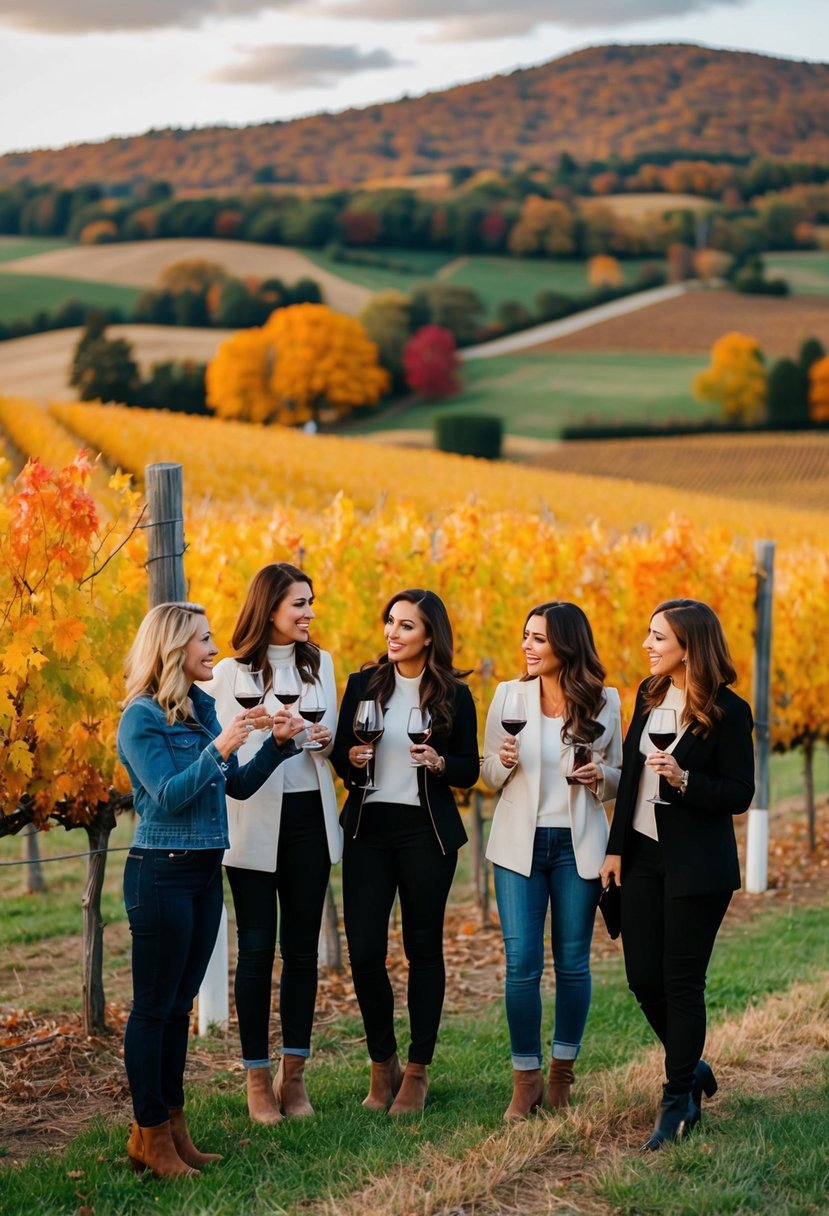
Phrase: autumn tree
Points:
(604, 271)
(387, 322)
(431, 363)
(736, 379)
(191, 274)
(819, 390)
(544, 226)
(102, 368)
(306, 357)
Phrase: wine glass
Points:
(248, 687)
(312, 710)
(368, 728)
(514, 714)
(662, 733)
(576, 755)
(287, 685)
(419, 729)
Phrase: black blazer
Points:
(696, 831)
(459, 749)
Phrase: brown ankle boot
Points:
(185, 1147)
(560, 1079)
(289, 1087)
(152, 1148)
(411, 1097)
(384, 1084)
(262, 1106)
(527, 1094)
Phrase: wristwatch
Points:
(683, 782)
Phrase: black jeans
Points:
(173, 899)
(299, 883)
(397, 852)
(668, 942)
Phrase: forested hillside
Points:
(612, 101)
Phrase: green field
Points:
(14, 247)
(23, 295)
(806, 273)
(423, 265)
(537, 395)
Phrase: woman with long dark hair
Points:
(282, 841)
(672, 847)
(403, 832)
(548, 836)
(181, 764)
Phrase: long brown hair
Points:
(440, 676)
(582, 673)
(708, 662)
(251, 636)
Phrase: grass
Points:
(12, 248)
(537, 395)
(807, 273)
(424, 265)
(23, 295)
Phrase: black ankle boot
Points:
(678, 1113)
(704, 1083)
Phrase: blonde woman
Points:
(180, 764)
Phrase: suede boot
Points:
(527, 1094)
(384, 1084)
(262, 1106)
(411, 1097)
(185, 1147)
(152, 1148)
(677, 1115)
(289, 1087)
(559, 1082)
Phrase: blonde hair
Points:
(154, 665)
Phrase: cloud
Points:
(480, 20)
(299, 66)
(107, 16)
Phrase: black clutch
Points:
(610, 906)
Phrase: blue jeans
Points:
(174, 904)
(522, 907)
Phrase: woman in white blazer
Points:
(549, 836)
(283, 841)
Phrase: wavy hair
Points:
(251, 634)
(440, 676)
(155, 664)
(708, 662)
(582, 673)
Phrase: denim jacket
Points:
(179, 778)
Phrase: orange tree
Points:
(736, 379)
(819, 390)
(70, 597)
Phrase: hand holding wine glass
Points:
(368, 729)
(312, 709)
(662, 733)
(576, 755)
(249, 691)
(419, 729)
(513, 720)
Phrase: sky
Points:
(80, 70)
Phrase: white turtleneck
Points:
(394, 777)
(299, 773)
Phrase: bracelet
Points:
(683, 782)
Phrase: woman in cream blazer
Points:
(283, 841)
(549, 837)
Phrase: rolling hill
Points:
(604, 101)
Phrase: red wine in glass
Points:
(368, 736)
(247, 702)
(312, 715)
(662, 740)
(368, 728)
(418, 728)
(662, 733)
(582, 754)
(248, 687)
(287, 685)
(514, 714)
(513, 726)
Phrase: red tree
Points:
(430, 362)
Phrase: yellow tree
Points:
(819, 390)
(736, 379)
(604, 271)
(544, 226)
(303, 358)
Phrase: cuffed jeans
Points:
(173, 899)
(522, 906)
(299, 883)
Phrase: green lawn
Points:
(807, 273)
(23, 295)
(422, 265)
(538, 394)
(14, 247)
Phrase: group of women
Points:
(251, 789)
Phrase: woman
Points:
(402, 838)
(180, 764)
(677, 862)
(282, 843)
(549, 836)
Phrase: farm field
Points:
(646, 205)
(23, 295)
(536, 394)
(806, 273)
(13, 248)
(691, 323)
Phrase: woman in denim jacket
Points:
(180, 764)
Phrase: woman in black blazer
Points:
(676, 861)
(402, 838)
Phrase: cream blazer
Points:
(513, 825)
(253, 825)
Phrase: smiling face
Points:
(291, 619)
(407, 637)
(540, 657)
(665, 652)
(199, 653)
